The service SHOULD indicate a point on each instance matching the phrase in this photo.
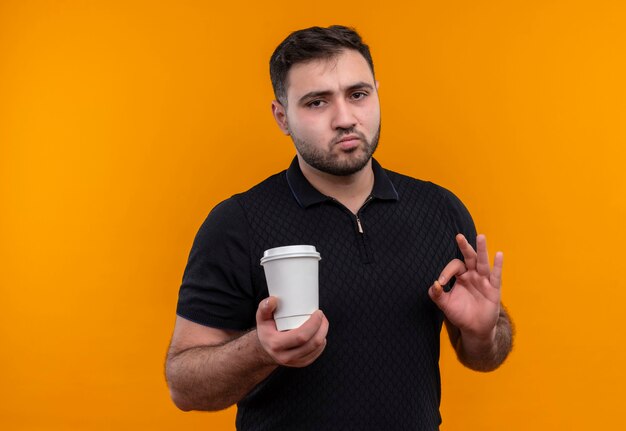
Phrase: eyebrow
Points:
(314, 94)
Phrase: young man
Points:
(369, 358)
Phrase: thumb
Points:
(437, 294)
(267, 308)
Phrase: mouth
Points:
(348, 142)
(349, 138)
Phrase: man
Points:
(368, 360)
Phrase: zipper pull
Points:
(358, 222)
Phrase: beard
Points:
(332, 163)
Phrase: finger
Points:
(298, 337)
(469, 255)
(496, 275)
(306, 358)
(311, 349)
(318, 338)
(454, 268)
(266, 309)
(482, 264)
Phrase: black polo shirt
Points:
(380, 366)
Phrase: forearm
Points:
(216, 377)
(484, 353)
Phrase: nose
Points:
(343, 116)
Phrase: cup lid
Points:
(290, 251)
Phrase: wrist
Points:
(484, 351)
(481, 344)
(261, 353)
(485, 337)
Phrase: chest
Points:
(378, 263)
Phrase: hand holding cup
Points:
(298, 347)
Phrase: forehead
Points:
(332, 74)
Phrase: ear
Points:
(278, 111)
(377, 85)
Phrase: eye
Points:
(358, 95)
(315, 103)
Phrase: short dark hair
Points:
(312, 44)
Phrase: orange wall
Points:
(122, 124)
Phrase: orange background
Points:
(123, 123)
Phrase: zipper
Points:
(358, 223)
(359, 227)
(358, 220)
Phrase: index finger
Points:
(454, 268)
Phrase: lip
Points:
(348, 138)
(349, 143)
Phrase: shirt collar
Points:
(307, 195)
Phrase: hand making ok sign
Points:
(473, 304)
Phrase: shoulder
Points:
(411, 187)
(408, 183)
(234, 206)
(437, 198)
(403, 180)
(272, 188)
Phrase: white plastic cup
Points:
(292, 274)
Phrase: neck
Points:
(350, 190)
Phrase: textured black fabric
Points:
(380, 367)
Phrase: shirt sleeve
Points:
(462, 222)
(461, 219)
(217, 288)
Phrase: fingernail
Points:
(266, 303)
(442, 280)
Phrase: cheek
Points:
(372, 120)
(370, 115)
(309, 127)
(376, 113)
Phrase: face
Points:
(332, 113)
